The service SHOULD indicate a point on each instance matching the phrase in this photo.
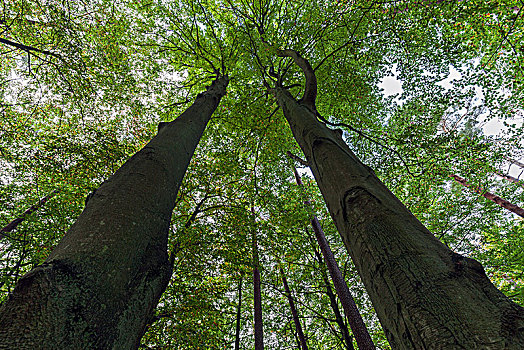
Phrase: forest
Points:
(265, 174)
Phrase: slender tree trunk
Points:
(257, 298)
(492, 197)
(239, 309)
(348, 341)
(13, 224)
(425, 295)
(294, 313)
(356, 323)
(99, 286)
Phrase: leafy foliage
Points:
(83, 85)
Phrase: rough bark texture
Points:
(99, 286)
(356, 323)
(259, 331)
(492, 197)
(425, 295)
(348, 341)
(294, 312)
(13, 224)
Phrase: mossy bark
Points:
(99, 286)
(425, 295)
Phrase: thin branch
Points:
(367, 137)
(504, 38)
(349, 41)
(492, 197)
(13, 224)
(516, 162)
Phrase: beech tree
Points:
(85, 84)
(99, 286)
(369, 217)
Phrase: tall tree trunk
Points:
(13, 224)
(348, 341)
(356, 323)
(99, 286)
(492, 197)
(257, 297)
(294, 313)
(239, 310)
(425, 295)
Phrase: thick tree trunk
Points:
(356, 323)
(257, 298)
(13, 224)
(99, 286)
(492, 197)
(294, 313)
(239, 309)
(426, 296)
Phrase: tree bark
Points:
(356, 323)
(492, 197)
(99, 286)
(257, 296)
(425, 295)
(348, 341)
(13, 224)
(294, 313)
(239, 309)
(510, 178)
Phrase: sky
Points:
(392, 86)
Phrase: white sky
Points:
(392, 86)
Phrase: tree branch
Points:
(492, 197)
(26, 48)
(13, 224)
(297, 158)
(310, 91)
